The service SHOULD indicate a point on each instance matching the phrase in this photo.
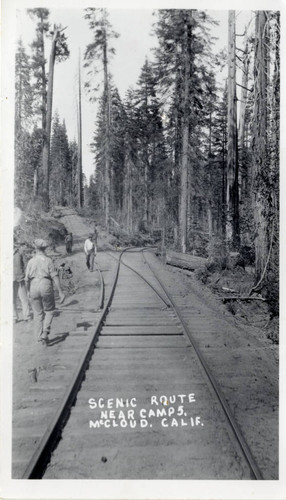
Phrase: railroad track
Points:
(35, 411)
(143, 402)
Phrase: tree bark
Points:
(47, 131)
(209, 202)
(232, 196)
(185, 144)
(107, 138)
(260, 160)
(224, 184)
(244, 191)
(146, 166)
(36, 182)
(37, 186)
(243, 97)
(275, 121)
(129, 196)
(79, 157)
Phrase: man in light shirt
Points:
(41, 277)
(90, 252)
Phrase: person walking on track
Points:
(19, 286)
(90, 252)
(40, 277)
(69, 243)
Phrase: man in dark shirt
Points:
(19, 286)
(69, 243)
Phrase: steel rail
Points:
(141, 276)
(230, 417)
(41, 456)
(101, 300)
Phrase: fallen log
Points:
(227, 299)
(231, 290)
(180, 264)
(184, 261)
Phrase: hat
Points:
(39, 243)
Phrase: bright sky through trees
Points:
(132, 47)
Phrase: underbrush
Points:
(38, 224)
(258, 311)
(131, 240)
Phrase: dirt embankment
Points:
(232, 285)
(36, 224)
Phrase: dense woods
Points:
(181, 151)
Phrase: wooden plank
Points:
(164, 356)
(143, 341)
(137, 321)
(126, 307)
(140, 330)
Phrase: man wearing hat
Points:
(90, 251)
(19, 286)
(40, 277)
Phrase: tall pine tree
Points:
(98, 52)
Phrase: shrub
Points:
(216, 254)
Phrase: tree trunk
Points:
(146, 201)
(243, 171)
(61, 193)
(276, 121)
(37, 187)
(107, 138)
(79, 157)
(185, 145)
(233, 236)
(260, 157)
(36, 182)
(47, 131)
(146, 168)
(209, 205)
(223, 194)
(129, 196)
(243, 97)
(43, 76)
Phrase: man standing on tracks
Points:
(90, 252)
(40, 277)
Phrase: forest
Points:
(179, 153)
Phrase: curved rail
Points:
(230, 418)
(41, 456)
(141, 276)
(101, 300)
